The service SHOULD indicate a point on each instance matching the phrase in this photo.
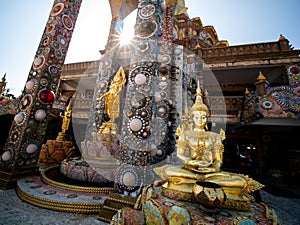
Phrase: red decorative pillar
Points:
(21, 152)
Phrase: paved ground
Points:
(14, 211)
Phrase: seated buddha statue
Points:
(201, 153)
(198, 149)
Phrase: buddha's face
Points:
(199, 118)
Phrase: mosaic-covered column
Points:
(20, 154)
(147, 133)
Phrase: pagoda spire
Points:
(261, 84)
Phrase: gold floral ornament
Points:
(112, 102)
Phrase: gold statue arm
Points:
(181, 145)
(107, 104)
(218, 150)
(103, 96)
(218, 158)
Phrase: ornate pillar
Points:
(147, 133)
(20, 154)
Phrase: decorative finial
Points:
(199, 105)
(246, 91)
(205, 93)
(180, 7)
(261, 76)
(282, 38)
(198, 46)
(198, 92)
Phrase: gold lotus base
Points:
(71, 207)
(230, 203)
(176, 194)
(42, 191)
(47, 180)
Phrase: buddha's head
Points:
(199, 118)
(199, 111)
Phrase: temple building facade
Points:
(260, 86)
(176, 121)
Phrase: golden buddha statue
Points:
(66, 118)
(201, 152)
(198, 149)
(112, 102)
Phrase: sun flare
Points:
(126, 36)
(128, 29)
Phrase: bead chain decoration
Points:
(167, 87)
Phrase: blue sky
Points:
(22, 23)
